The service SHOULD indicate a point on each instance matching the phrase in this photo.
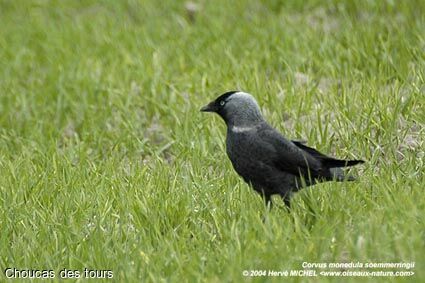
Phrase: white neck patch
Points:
(241, 129)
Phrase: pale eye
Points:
(222, 103)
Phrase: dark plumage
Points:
(264, 158)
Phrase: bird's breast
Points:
(236, 144)
(243, 152)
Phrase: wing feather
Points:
(290, 158)
(328, 161)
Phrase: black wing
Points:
(288, 157)
(327, 161)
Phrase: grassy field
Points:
(106, 162)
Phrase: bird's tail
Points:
(327, 160)
(333, 163)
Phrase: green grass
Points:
(106, 162)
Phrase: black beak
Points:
(208, 108)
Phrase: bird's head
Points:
(237, 108)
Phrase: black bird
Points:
(265, 159)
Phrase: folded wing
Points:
(288, 157)
(328, 161)
(298, 159)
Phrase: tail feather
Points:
(332, 163)
(327, 160)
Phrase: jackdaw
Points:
(270, 163)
